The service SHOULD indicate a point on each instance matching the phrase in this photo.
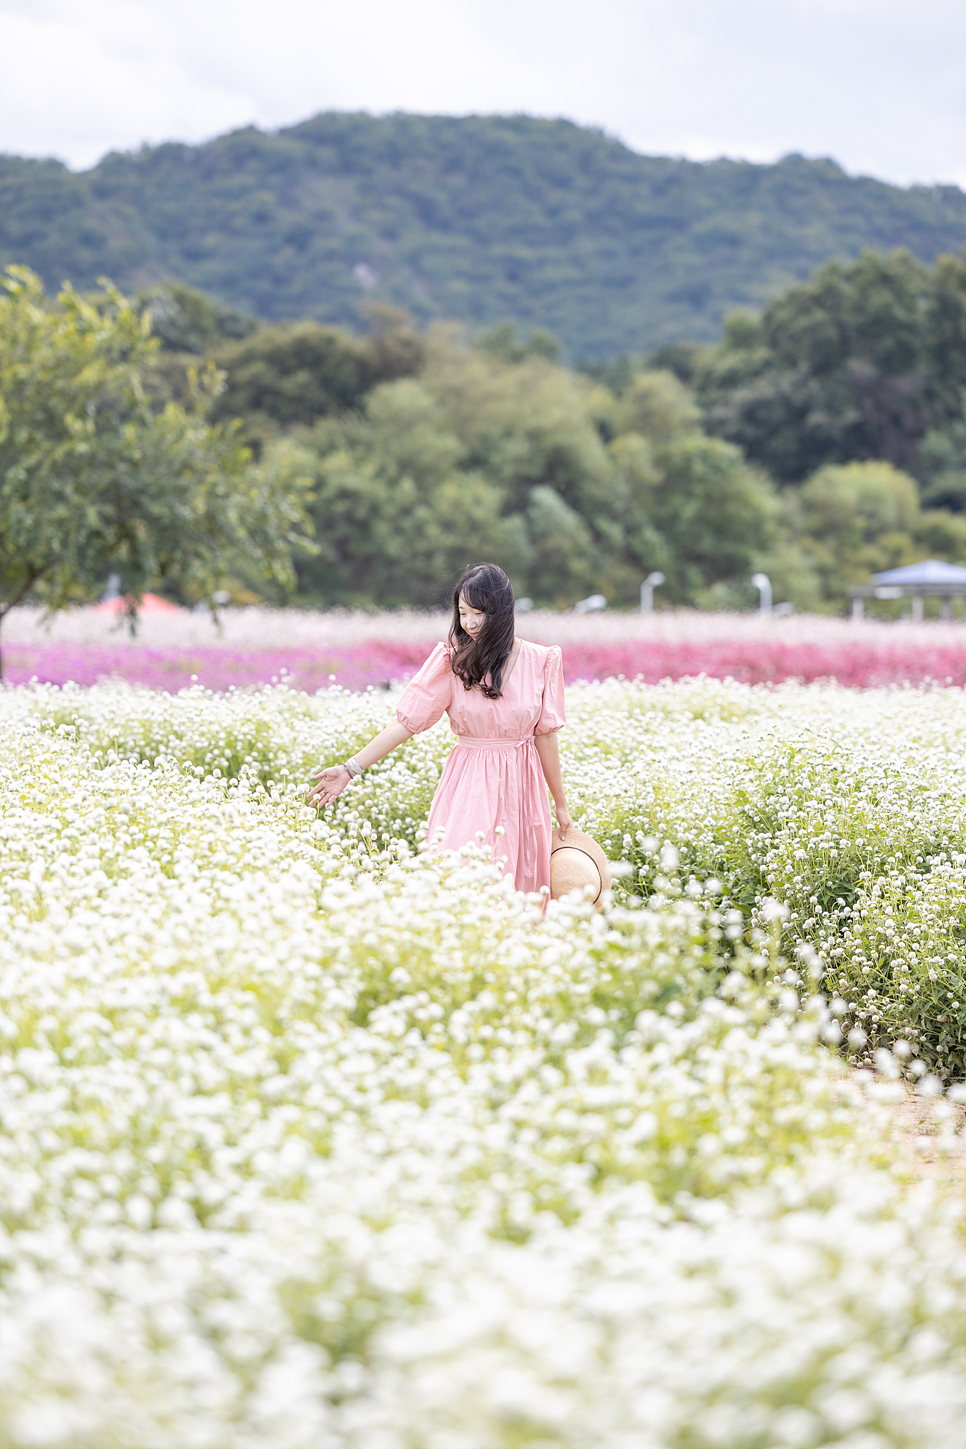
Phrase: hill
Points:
(481, 219)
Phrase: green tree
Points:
(656, 405)
(858, 363)
(941, 534)
(185, 320)
(849, 521)
(291, 374)
(504, 342)
(93, 481)
(856, 520)
(395, 517)
(574, 491)
(942, 465)
(694, 509)
(278, 376)
(561, 556)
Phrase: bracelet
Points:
(353, 767)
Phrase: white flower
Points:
(311, 1141)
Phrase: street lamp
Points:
(763, 584)
(652, 582)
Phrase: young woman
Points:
(504, 697)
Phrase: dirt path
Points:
(935, 1131)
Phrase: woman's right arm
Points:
(333, 781)
(420, 705)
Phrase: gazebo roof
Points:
(931, 571)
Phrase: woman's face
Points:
(471, 620)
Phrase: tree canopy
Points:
(863, 361)
(853, 520)
(424, 451)
(278, 375)
(523, 461)
(94, 481)
(416, 453)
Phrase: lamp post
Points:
(652, 582)
(763, 584)
(591, 605)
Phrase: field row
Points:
(848, 807)
(312, 649)
(310, 1141)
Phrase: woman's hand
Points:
(563, 819)
(331, 784)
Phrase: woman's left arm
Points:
(549, 752)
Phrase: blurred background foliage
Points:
(819, 441)
(474, 218)
(653, 363)
(862, 361)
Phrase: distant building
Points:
(931, 578)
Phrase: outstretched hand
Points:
(330, 785)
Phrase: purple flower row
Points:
(861, 662)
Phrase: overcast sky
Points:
(878, 84)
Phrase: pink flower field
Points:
(311, 650)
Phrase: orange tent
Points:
(150, 604)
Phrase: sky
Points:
(880, 85)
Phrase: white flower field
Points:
(312, 1143)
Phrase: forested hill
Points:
(482, 219)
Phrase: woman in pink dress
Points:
(505, 701)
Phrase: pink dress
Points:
(493, 777)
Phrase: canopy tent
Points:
(931, 577)
(150, 604)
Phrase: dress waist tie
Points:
(485, 742)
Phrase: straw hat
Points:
(575, 862)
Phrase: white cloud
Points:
(878, 84)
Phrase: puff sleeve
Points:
(428, 693)
(553, 714)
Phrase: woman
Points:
(504, 698)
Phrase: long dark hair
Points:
(487, 588)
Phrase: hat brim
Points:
(576, 840)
